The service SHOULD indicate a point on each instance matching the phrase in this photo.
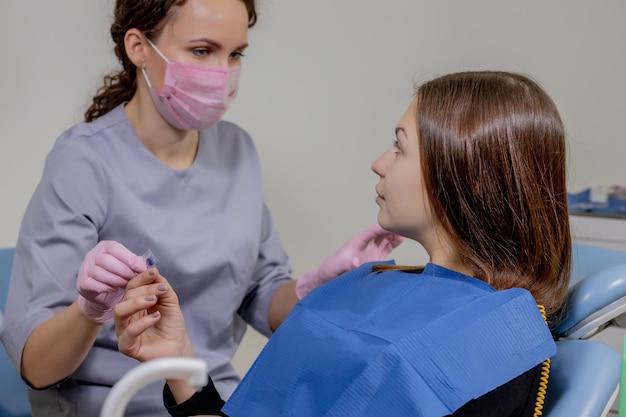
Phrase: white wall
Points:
(324, 83)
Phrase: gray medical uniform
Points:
(207, 225)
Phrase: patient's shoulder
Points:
(515, 398)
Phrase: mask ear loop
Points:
(143, 69)
(145, 77)
(157, 51)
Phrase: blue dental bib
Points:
(394, 343)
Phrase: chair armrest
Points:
(594, 302)
(583, 381)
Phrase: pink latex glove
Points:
(102, 279)
(374, 244)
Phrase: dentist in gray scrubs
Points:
(153, 167)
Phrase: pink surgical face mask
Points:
(194, 97)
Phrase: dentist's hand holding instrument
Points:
(102, 279)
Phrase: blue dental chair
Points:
(13, 397)
(597, 292)
(584, 376)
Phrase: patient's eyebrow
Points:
(400, 130)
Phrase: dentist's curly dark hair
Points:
(149, 16)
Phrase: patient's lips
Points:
(379, 196)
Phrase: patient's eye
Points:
(396, 145)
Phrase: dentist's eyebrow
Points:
(217, 45)
(213, 43)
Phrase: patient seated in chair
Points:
(476, 175)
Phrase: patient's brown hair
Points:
(493, 155)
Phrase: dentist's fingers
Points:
(372, 233)
(131, 261)
(105, 281)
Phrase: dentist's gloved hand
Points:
(374, 244)
(102, 279)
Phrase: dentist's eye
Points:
(236, 56)
(200, 52)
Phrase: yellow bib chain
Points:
(545, 373)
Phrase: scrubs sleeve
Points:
(60, 225)
(271, 270)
